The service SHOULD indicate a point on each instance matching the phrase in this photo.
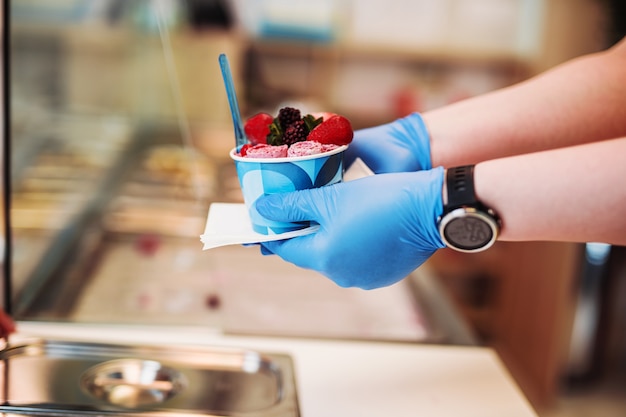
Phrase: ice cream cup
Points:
(265, 176)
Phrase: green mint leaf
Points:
(310, 122)
(275, 137)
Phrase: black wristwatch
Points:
(466, 224)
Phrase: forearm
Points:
(581, 101)
(575, 194)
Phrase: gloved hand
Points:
(400, 146)
(374, 231)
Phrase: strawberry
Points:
(257, 128)
(335, 130)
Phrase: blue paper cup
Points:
(265, 176)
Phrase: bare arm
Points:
(581, 101)
(575, 194)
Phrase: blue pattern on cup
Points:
(266, 177)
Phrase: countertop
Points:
(347, 378)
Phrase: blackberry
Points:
(296, 132)
(287, 116)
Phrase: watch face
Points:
(469, 232)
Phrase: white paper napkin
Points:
(229, 223)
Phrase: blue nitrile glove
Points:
(374, 231)
(400, 146)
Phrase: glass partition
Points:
(118, 131)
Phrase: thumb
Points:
(288, 207)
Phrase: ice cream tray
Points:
(53, 378)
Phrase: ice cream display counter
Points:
(118, 145)
(111, 235)
(136, 319)
(128, 254)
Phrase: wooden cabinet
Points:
(520, 300)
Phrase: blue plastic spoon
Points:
(240, 135)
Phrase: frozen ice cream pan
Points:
(52, 378)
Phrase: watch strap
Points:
(460, 187)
